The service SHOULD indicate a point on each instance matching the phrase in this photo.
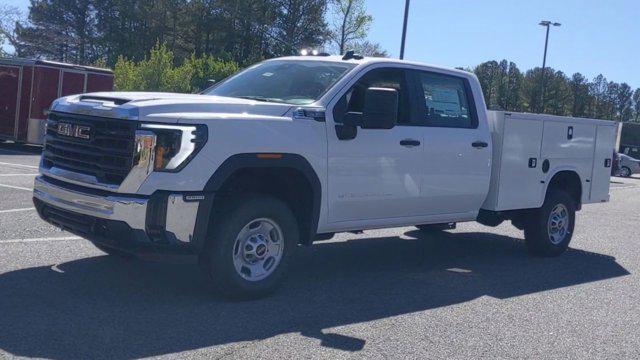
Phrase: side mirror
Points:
(380, 108)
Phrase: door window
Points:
(391, 78)
(446, 101)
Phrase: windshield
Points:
(291, 82)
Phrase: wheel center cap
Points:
(261, 250)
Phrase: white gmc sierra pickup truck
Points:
(295, 149)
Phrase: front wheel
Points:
(249, 248)
(549, 230)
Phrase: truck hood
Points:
(163, 107)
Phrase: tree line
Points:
(245, 31)
(507, 88)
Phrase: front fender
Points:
(259, 160)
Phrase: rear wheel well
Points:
(287, 184)
(569, 182)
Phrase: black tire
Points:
(217, 260)
(625, 171)
(538, 233)
(114, 252)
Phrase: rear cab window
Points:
(445, 100)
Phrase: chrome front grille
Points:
(99, 147)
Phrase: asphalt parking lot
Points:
(468, 293)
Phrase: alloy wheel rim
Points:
(558, 225)
(258, 249)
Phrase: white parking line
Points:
(16, 187)
(14, 241)
(16, 210)
(19, 165)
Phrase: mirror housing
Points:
(380, 108)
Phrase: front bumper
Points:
(162, 223)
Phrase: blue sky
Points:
(596, 36)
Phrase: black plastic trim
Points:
(251, 160)
(203, 218)
(156, 217)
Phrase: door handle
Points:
(409, 142)
(479, 144)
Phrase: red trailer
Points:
(27, 88)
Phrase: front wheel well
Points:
(287, 184)
(569, 182)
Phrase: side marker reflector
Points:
(269, 156)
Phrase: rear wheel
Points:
(549, 230)
(249, 249)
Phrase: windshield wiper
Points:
(258, 98)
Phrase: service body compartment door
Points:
(9, 84)
(600, 177)
(520, 173)
(570, 145)
(564, 140)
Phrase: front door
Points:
(9, 84)
(377, 174)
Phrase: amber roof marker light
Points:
(269, 156)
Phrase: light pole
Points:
(404, 28)
(547, 24)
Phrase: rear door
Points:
(457, 145)
(9, 85)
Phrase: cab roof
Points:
(370, 60)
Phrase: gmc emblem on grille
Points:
(77, 131)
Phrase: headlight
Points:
(176, 145)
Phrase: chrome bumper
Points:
(180, 218)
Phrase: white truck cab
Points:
(295, 149)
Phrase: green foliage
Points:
(351, 24)
(158, 73)
(81, 31)
(206, 68)
(128, 75)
